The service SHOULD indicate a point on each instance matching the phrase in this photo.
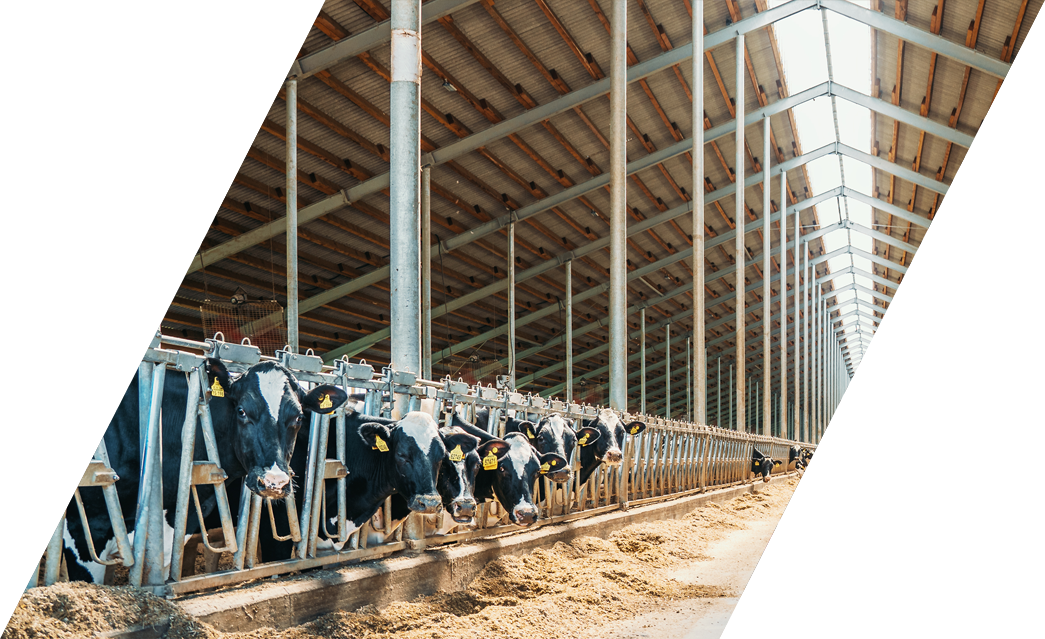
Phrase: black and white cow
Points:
(797, 456)
(511, 480)
(555, 434)
(607, 447)
(762, 464)
(256, 418)
(383, 457)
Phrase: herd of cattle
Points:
(257, 420)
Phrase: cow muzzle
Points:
(273, 483)
(612, 457)
(462, 512)
(525, 515)
(427, 504)
(766, 478)
(560, 476)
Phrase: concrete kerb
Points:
(303, 598)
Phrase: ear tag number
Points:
(456, 454)
(216, 390)
(324, 402)
(490, 461)
(381, 445)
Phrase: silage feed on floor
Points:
(560, 591)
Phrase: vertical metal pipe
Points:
(511, 301)
(814, 320)
(667, 372)
(569, 333)
(783, 301)
(642, 360)
(767, 291)
(701, 365)
(741, 211)
(292, 214)
(689, 381)
(718, 392)
(805, 327)
(618, 353)
(404, 188)
(426, 272)
(732, 399)
(797, 375)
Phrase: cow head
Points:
(415, 452)
(516, 473)
(762, 465)
(459, 468)
(612, 432)
(268, 408)
(554, 434)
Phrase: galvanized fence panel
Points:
(93, 249)
(669, 459)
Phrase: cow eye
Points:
(242, 413)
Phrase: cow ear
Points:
(458, 444)
(587, 436)
(635, 428)
(324, 399)
(218, 379)
(551, 462)
(777, 463)
(529, 429)
(376, 436)
(497, 447)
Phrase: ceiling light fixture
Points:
(195, 75)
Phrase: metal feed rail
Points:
(670, 459)
(95, 248)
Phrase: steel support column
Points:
(741, 256)
(511, 305)
(797, 407)
(618, 355)
(642, 360)
(697, 190)
(426, 272)
(569, 332)
(783, 304)
(292, 214)
(404, 191)
(667, 370)
(767, 291)
(807, 433)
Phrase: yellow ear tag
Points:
(584, 440)
(216, 390)
(324, 402)
(545, 468)
(634, 430)
(381, 445)
(456, 454)
(529, 433)
(490, 461)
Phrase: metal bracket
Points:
(207, 473)
(297, 361)
(239, 353)
(98, 474)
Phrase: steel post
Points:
(718, 395)
(697, 190)
(569, 333)
(642, 360)
(767, 292)
(783, 302)
(618, 396)
(404, 189)
(292, 213)
(795, 415)
(732, 400)
(689, 380)
(807, 433)
(426, 272)
(740, 249)
(511, 305)
(667, 371)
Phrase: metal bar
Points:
(689, 380)
(404, 184)
(618, 395)
(892, 168)
(767, 292)
(783, 306)
(805, 327)
(739, 214)
(188, 443)
(697, 189)
(426, 272)
(511, 305)
(642, 358)
(292, 213)
(569, 332)
(667, 369)
(882, 237)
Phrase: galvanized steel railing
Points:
(94, 249)
(669, 459)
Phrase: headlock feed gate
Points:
(925, 514)
(666, 459)
(96, 247)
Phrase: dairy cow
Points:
(383, 457)
(256, 419)
(762, 464)
(606, 448)
(797, 456)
